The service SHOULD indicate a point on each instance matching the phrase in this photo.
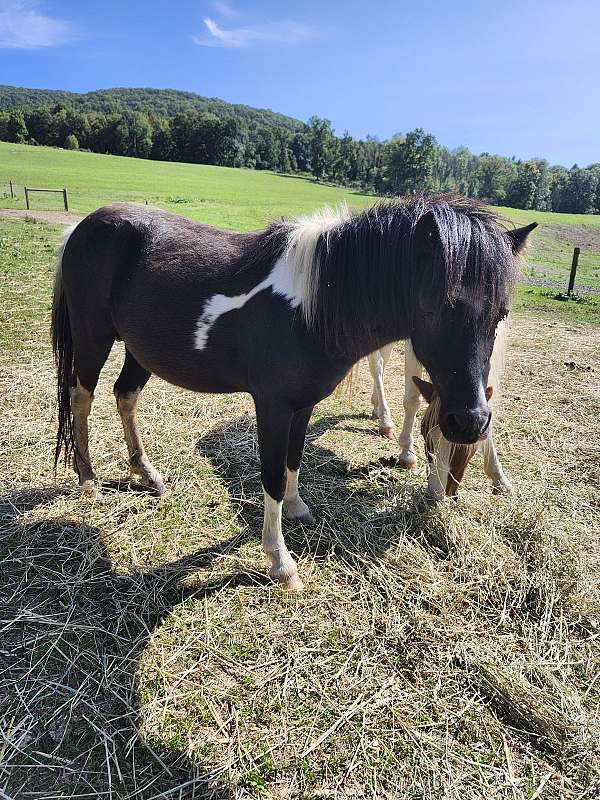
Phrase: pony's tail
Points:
(62, 347)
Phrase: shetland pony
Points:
(447, 461)
(282, 314)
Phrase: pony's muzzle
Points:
(465, 426)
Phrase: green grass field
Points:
(437, 652)
(247, 199)
(230, 198)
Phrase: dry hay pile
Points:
(437, 652)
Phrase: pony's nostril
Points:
(465, 426)
(452, 421)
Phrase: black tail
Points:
(62, 345)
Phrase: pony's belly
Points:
(192, 372)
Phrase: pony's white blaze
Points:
(293, 276)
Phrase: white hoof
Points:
(501, 486)
(407, 459)
(90, 490)
(299, 512)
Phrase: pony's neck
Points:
(355, 273)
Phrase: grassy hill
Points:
(249, 199)
(163, 102)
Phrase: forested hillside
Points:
(169, 125)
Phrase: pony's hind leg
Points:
(128, 386)
(81, 407)
(87, 363)
(381, 409)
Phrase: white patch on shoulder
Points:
(293, 276)
(281, 281)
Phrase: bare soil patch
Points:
(53, 217)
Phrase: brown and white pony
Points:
(447, 460)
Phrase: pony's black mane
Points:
(367, 268)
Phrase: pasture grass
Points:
(438, 651)
(230, 198)
(249, 199)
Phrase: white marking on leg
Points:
(283, 566)
(81, 406)
(439, 469)
(139, 462)
(411, 403)
(381, 409)
(492, 467)
(294, 506)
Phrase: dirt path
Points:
(54, 217)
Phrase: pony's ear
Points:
(518, 237)
(424, 387)
(488, 393)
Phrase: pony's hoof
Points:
(307, 520)
(502, 487)
(91, 491)
(388, 432)
(291, 583)
(407, 460)
(286, 575)
(298, 511)
(155, 482)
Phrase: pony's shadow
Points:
(231, 448)
(72, 636)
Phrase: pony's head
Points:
(462, 285)
(458, 455)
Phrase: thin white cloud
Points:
(284, 32)
(225, 10)
(22, 26)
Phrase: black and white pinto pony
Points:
(282, 314)
(447, 460)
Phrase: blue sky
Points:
(515, 78)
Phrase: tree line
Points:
(401, 165)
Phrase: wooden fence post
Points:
(26, 197)
(65, 199)
(574, 263)
(12, 194)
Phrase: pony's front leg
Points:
(412, 401)
(493, 467)
(273, 424)
(294, 506)
(439, 469)
(381, 409)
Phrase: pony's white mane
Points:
(303, 236)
